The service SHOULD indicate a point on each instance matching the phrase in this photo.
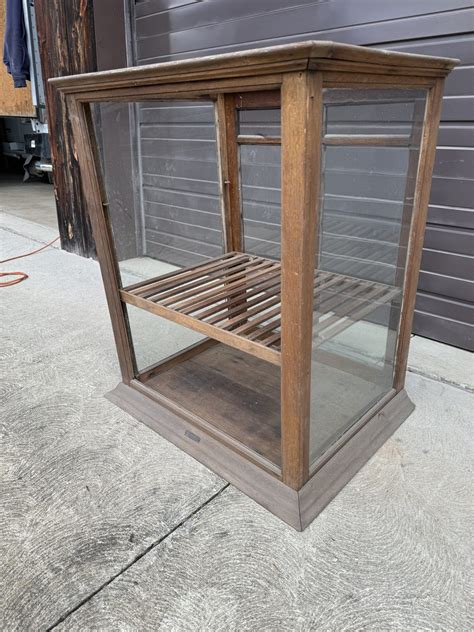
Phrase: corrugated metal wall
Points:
(181, 204)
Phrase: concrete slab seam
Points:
(442, 380)
(148, 549)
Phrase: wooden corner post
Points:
(301, 114)
(417, 228)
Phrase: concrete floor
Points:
(106, 526)
(32, 200)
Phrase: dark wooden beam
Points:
(67, 47)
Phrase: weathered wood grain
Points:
(66, 46)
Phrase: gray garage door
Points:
(181, 213)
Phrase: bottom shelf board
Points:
(239, 395)
(233, 391)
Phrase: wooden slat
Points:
(255, 311)
(272, 340)
(222, 291)
(269, 285)
(258, 140)
(232, 289)
(184, 276)
(237, 309)
(200, 282)
(174, 274)
(262, 318)
(198, 288)
(321, 281)
(265, 329)
(406, 218)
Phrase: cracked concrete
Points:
(106, 526)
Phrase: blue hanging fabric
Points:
(15, 48)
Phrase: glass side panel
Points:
(371, 111)
(260, 181)
(365, 212)
(156, 339)
(160, 172)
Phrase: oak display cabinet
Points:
(259, 220)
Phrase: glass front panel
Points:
(369, 164)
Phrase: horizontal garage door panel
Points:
(178, 29)
(446, 308)
(200, 26)
(327, 15)
(202, 234)
(145, 8)
(454, 332)
(459, 47)
(443, 286)
(449, 239)
(457, 108)
(455, 163)
(450, 263)
(163, 246)
(200, 187)
(180, 215)
(451, 216)
(456, 134)
(446, 192)
(252, 32)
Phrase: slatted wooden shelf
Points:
(236, 299)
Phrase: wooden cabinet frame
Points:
(291, 77)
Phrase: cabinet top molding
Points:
(330, 57)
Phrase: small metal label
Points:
(191, 435)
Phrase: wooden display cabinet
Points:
(302, 319)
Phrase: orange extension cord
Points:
(21, 275)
